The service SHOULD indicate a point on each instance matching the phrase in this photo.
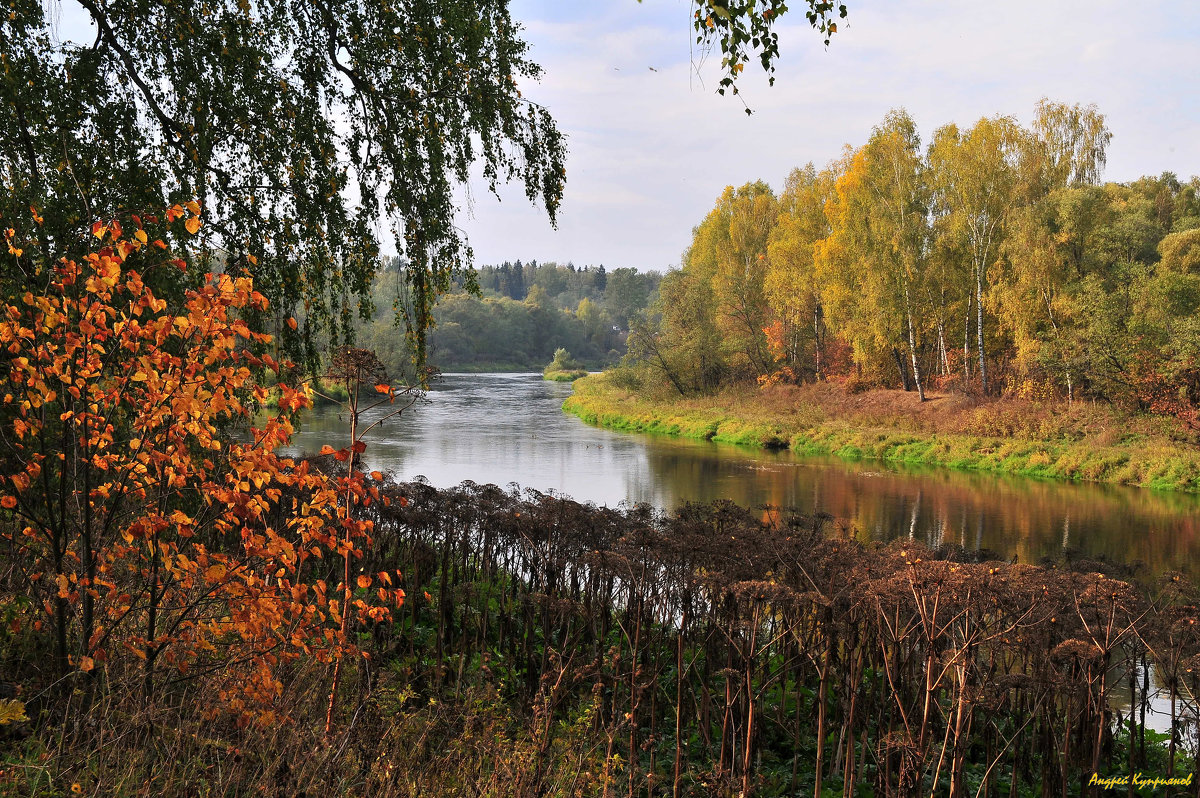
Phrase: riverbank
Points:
(1083, 442)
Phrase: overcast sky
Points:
(652, 144)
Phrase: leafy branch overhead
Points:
(745, 28)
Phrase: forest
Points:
(513, 317)
(991, 260)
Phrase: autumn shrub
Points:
(625, 378)
(160, 539)
(855, 384)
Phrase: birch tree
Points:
(730, 246)
(879, 242)
(791, 282)
(976, 175)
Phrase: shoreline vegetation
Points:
(1082, 442)
(564, 376)
(689, 652)
(1049, 318)
(563, 368)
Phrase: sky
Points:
(652, 145)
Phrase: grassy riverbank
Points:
(1084, 442)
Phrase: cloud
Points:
(652, 149)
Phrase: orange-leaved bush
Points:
(154, 525)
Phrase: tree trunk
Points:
(817, 341)
(902, 368)
(967, 340)
(942, 356)
(979, 325)
(912, 351)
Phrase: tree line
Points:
(513, 316)
(992, 259)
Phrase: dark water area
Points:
(509, 428)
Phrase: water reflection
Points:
(506, 428)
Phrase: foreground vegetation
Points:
(1090, 442)
(548, 647)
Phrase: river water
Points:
(509, 428)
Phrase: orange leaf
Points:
(86, 664)
(403, 501)
(98, 229)
(193, 206)
(359, 447)
(341, 455)
(8, 502)
(383, 387)
(192, 225)
(327, 449)
(364, 581)
(291, 322)
(377, 476)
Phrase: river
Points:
(509, 428)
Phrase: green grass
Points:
(564, 376)
(1029, 439)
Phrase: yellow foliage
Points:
(12, 711)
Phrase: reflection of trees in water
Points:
(1013, 517)
(506, 425)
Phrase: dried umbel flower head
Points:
(1075, 649)
(356, 366)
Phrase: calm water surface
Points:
(509, 428)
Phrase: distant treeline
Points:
(991, 260)
(523, 313)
